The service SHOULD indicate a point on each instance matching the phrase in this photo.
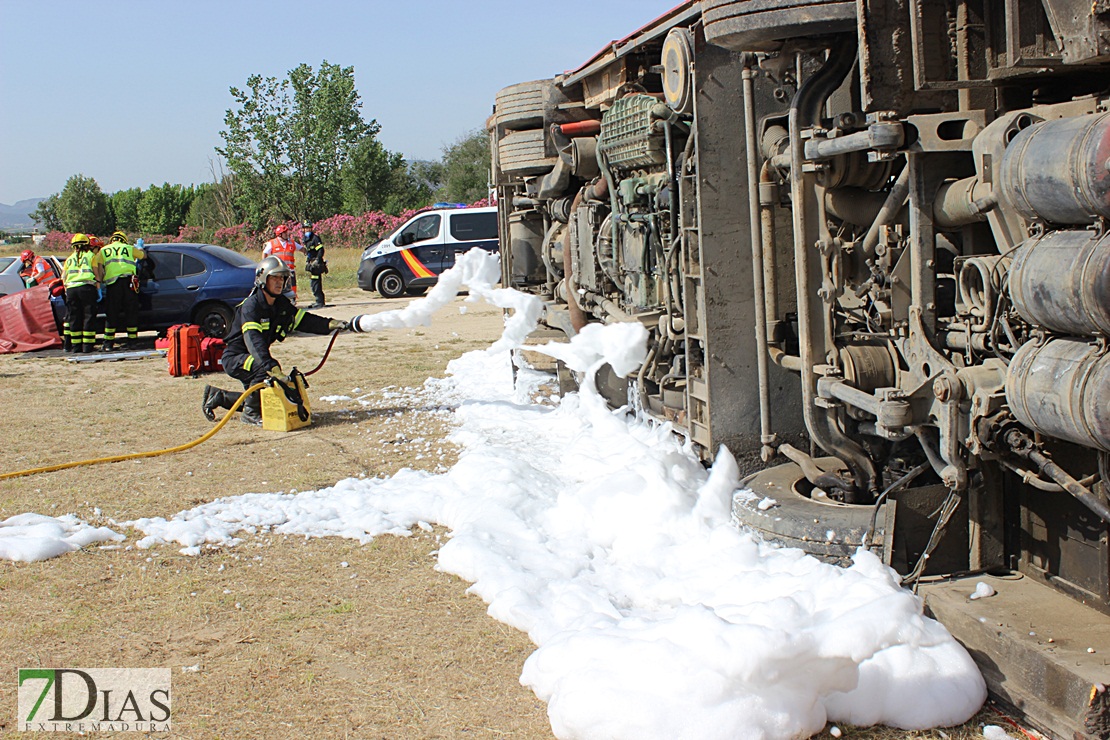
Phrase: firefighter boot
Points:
(252, 410)
(216, 398)
(107, 346)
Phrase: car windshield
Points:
(232, 258)
(5, 261)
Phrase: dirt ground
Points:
(274, 637)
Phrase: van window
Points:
(471, 227)
(423, 228)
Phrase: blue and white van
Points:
(411, 259)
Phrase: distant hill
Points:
(15, 216)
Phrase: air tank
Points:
(1061, 281)
(1060, 388)
(1056, 171)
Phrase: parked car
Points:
(192, 283)
(411, 259)
(10, 281)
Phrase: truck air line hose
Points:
(180, 448)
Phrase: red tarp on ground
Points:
(27, 321)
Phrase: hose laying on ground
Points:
(136, 455)
(180, 448)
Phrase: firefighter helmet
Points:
(281, 229)
(118, 236)
(79, 241)
(269, 267)
(27, 255)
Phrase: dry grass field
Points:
(273, 638)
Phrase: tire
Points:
(526, 105)
(214, 318)
(416, 291)
(389, 284)
(760, 25)
(524, 153)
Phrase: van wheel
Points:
(390, 284)
(214, 318)
(416, 291)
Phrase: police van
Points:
(411, 259)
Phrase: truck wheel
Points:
(214, 318)
(526, 105)
(804, 522)
(523, 153)
(759, 25)
(390, 284)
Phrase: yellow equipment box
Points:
(282, 414)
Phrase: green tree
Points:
(369, 177)
(414, 187)
(204, 211)
(83, 206)
(125, 208)
(46, 214)
(162, 209)
(466, 168)
(287, 142)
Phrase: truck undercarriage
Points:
(869, 242)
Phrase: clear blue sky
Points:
(133, 92)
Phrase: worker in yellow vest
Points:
(121, 289)
(82, 276)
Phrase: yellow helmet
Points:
(118, 236)
(79, 240)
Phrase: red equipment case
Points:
(185, 354)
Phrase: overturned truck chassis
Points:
(868, 239)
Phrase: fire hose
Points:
(179, 448)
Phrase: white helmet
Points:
(272, 266)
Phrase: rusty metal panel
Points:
(727, 323)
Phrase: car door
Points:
(469, 230)
(169, 295)
(425, 251)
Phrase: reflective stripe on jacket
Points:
(43, 271)
(258, 324)
(285, 251)
(78, 270)
(119, 261)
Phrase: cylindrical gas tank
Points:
(1060, 389)
(1056, 171)
(1061, 281)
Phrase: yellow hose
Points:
(136, 455)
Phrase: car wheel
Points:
(416, 291)
(214, 318)
(390, 284)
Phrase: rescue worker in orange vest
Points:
(285, 249)
(265, 317)
(81, 275)
(37, 270)
(121, 289)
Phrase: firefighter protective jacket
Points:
(257, 325)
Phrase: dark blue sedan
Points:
(192, 284)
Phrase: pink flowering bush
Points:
(190, 235)
(55, 241)
(238, 237)
(339, 231)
